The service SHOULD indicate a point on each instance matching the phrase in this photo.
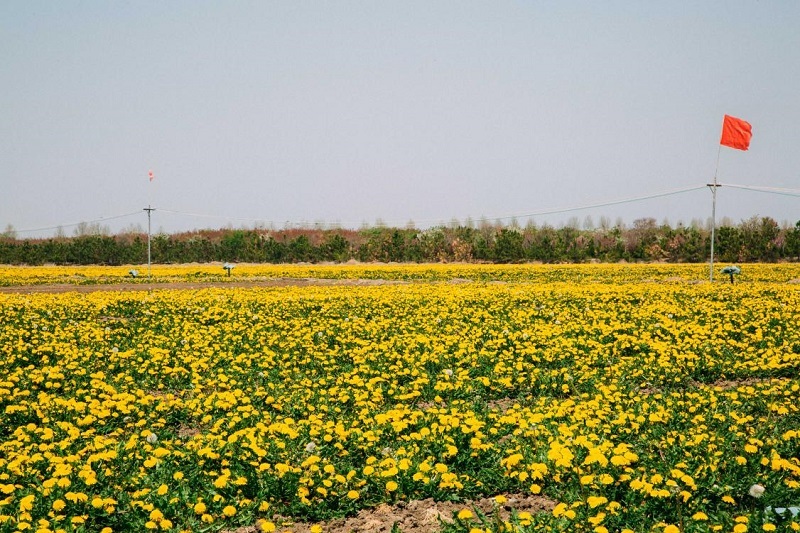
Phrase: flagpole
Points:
(149, 210)
(713, 187)
(736, 133)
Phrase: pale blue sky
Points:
(349, 112)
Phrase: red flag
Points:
(150, 174)
(736, 133)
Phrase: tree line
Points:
(758, 239)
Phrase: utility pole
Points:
(149, 210)
(713, 187)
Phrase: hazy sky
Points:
(350, 112)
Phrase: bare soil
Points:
(721, 384)
(417, 516)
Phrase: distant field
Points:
(623, 397)
(605, 273)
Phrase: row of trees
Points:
(755, 239)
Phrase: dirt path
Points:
(193, 285)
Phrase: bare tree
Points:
(644, 224)
(132, 229)
(9, 233)
(85, 229)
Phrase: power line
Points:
(604, 204)
(769, 190)
(114, 217)
(764, 189)
(201, 215)
(504, 217)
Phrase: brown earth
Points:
(416, 516)
(721, 384)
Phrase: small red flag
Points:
(150, 174)
(736, 133)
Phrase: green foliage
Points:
(755, 239)
(509, 248)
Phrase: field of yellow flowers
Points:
(635, 398)
(595, 273)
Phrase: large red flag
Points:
(736, 133)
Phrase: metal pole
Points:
(713, 224)
(714, 213)
(148, 209)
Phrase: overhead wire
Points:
(201, 215)
(71, 224)
(503, 217)
(542, 212)
(604, 204)
(769, 190)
